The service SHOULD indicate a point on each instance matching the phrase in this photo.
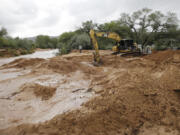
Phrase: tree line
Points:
(145, 27)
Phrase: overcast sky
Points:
(26, 18)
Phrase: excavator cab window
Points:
(105, 35)
(130, 44)
(125, 44)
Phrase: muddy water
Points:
(37, 54)
(12, 73)
(19, 106)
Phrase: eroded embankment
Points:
(136, 96)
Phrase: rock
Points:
(98, 89)
(176, 58)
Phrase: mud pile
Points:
(65, 66)
(23, 63)
(138, 96)
(57, 64)
(164, 56)
(44, 92)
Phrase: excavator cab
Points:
(124, 46)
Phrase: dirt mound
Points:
(164, 56)
(23, 63)
(163, 60)
(64, 66)
(57, 64)
(44, 92)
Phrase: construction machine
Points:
(122, 45)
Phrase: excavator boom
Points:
(93, 35)
(96, 48)
(110, 35)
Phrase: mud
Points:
(44, 92)
(44, 54)
(32, 98)
(133, 96)
(23, 63)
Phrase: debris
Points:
(76, 90)
(44, 92)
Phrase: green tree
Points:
(64, 42)
(146, 24)
(117, 27)
(44, 41)
(3, 42)
(81, 39)
(87, 26)
(54, 42)
(3, 32)
(66, 37)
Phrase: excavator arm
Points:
(96, 47)
(110, 35)
(93, 36)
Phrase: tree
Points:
(54, 42)
(3, 42)
(87, 26)
(81, 39)
(3, 32)
(43, 41)
(146, 24)
(117, 27)
(66, 37)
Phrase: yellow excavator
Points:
(122, 45)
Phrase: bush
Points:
(80, 39)
(63, 49)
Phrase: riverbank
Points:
(6, 53)
(40, 53)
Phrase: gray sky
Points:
(26, 18)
